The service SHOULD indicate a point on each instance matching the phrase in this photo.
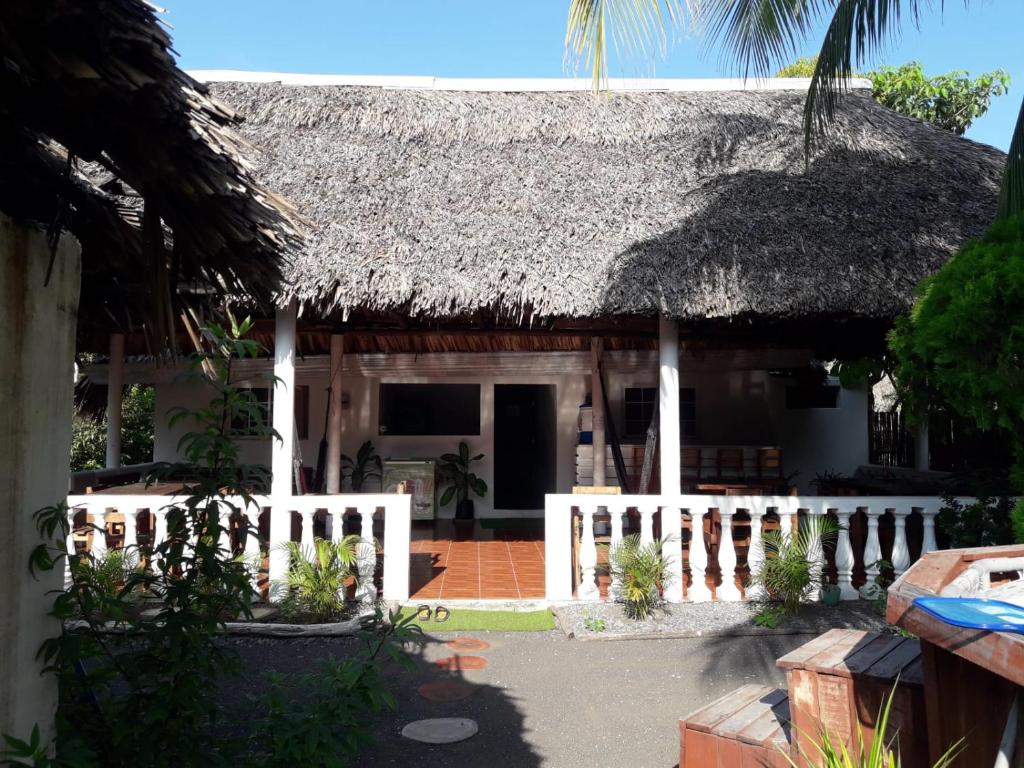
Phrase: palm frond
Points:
(760, 34)
(859, 30)
(633, 28)
(1011, 193)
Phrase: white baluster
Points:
(159, 533)
(306, 538)
(727, 558)
(616, 511)
(647, 511)
(928, 543)
(900, 550)
(755, 555)
(588, 589)
(99, 533)
(224, 515)
(367, 591)
(253, 552)
(816, 559)
(785, 523)
(131, 538)
(844, 557)
(70, 547)
(337, 520)
(698, 591)
(672, 551)
(872, 554)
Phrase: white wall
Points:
(36, 394)
(734, 407)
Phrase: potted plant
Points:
(366, 466)
(454, 469)
(830, 594)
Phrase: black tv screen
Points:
(429, 409)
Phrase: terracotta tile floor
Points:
(490, 560)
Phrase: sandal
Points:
(423, 612)
(438, 617)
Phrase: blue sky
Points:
(469, 38)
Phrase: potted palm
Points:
(454, 470)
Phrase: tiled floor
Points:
(483, 560)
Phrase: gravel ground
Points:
(709, 620)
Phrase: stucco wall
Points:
(734, 407)
(36, 389)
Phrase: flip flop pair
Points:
(441, 614)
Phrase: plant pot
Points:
(464, 510)
(830, 594)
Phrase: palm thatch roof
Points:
(104, 135)
(525, 204)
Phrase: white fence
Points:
(728, 526)
(149, 512)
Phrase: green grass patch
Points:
(470, 620)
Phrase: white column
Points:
(900, 550)
(597, 412)
(334, 415)
(283, 449)
(670, 468)
(366, 593)
(872, 554)
(588, 589)
(115, 391)
(928, 543)
(755, 555)
(698, 591)
(844, 556)
(397, 540)
(727, 558)
(557, 548)
(921, 456)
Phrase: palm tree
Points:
(762, 35)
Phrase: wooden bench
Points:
(837, 681)
(748, 728)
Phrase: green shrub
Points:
(642, 572)
(316, 578)
(984, 522)
(791, 568)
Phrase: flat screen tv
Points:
(429, 409)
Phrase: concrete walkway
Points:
(543, 700)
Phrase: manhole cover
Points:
(441, 730)
(468, 644)
(443, 691)
(461, 663)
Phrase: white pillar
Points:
(616, 511)
(366, 592)
(844, 556)
(308, 516)
(928, 543)
(755, 554)
(671, 462)
(727, 557)
(131, 518)
(253, 552)
(557, 548)
(283, 448)
(597, 412)
(872, 554)
(334, 415)
(900, 551)
(921, 455)
(397, 540)
(588, 589)
(115, 393)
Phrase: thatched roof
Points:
(98, 123)
(440, 203)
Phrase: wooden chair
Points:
(769, 463)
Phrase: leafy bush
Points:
(316, 579)
(322, 717)
(791, 568)
(642, 572)
(89, 433)
(454, 470)
(985, 522)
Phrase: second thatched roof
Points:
(527, 204)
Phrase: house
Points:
(486, 258)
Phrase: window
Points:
(248, 426)
(429, 409)
(639, 404)
(802, 396)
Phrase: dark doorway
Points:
(524, 445)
